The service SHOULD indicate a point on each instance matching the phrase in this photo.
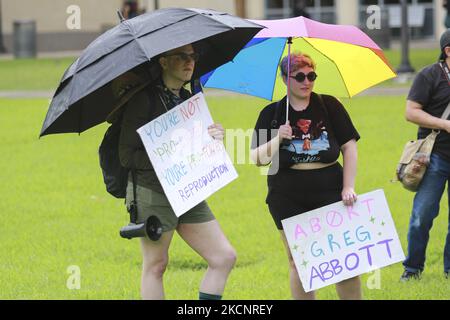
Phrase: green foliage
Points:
(56, 213)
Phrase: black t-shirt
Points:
(320, 130)
(432, 90)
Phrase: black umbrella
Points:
(88, 89)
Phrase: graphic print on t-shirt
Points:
(309, 138)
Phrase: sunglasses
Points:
(185, 56)
(300, 77)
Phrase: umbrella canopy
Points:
(348, 61)
(88, 91)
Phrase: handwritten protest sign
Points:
(334, 243)
(189, 163)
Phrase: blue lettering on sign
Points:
(161, 125)
(174, 173)
(325, 271)
(195, 186)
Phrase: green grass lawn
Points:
(419, 58)
(45, 74)
(32, 74)
(56, 213)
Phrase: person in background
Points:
(130, 9)
(299, 9)
(427, 100)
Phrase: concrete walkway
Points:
(27, 94)
(44, 55)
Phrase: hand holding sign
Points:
(216, 131)
(349, 196)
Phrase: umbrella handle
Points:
(121, 17)
(289, 42)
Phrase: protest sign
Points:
(335, 242)
(189, 163)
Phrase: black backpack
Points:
(115, 175)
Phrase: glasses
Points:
(300, 77)
(185, 56)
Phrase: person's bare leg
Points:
(155, 259)
(349, 289)
(209, 241)
(296, 286)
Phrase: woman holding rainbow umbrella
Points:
(302, 135)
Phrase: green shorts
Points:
(152, 203)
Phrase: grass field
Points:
(27, 74)
(56, 213)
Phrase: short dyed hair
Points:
(298, 61)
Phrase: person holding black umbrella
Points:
(155, 48)
(197, 227)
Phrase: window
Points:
(421, 13)
(320, 10)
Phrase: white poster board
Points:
(189, 163)
(335, 242)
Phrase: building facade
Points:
(72, 24)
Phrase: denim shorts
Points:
(152, 203)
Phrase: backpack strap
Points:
(446, 112)
(133, 205)
(277, 115)
(279, 111)
(446, 70)
(151, 91)
(323, 106)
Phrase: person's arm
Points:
(415, 114)
(350, 157)
(263, 155)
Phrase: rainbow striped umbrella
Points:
(348, 61)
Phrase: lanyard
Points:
(446, 71)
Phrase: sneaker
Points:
(408, 275)
(446, 274)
